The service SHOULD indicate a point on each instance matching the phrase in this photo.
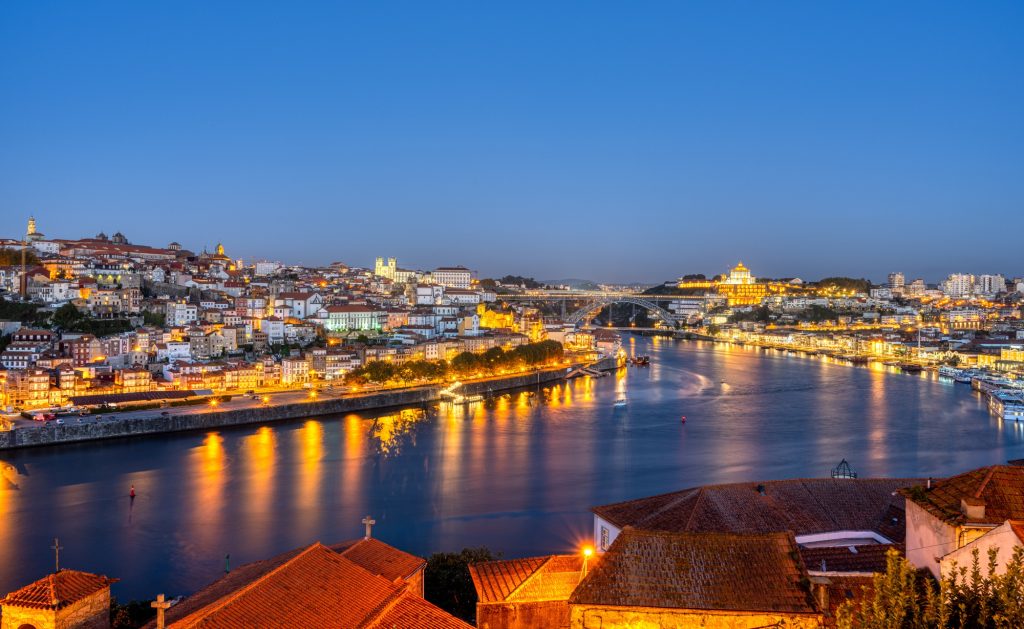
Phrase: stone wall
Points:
(92, 612)
(548, 614)
(15, 617)
(588, 617)
(113, 426)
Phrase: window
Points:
(604, 538)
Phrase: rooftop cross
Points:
(56, 548)
(160, 604)
(369, 522)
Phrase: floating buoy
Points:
(131, 492)
(684, 419)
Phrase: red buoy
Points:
(131, 492)
(684, 419)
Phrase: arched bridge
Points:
(591, 309)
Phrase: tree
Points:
(969, 598)
(68, 317)
(157, 319)
(447, 582)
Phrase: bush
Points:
(447, 584)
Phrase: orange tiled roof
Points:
(313, 585)
(57, 590)
(863, 558)
(309, 587)
(412, 612)
(379, 558)
(495, 580)
(1000, 487)
(803, 506)
(705, 571)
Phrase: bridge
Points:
(596, 300)
(591, 309)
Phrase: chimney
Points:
(929, 482)
(819, 586)
(973, 508)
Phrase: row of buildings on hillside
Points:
(153, 319)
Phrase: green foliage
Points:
(860, 285)
(817, 314)
(970, 598)
(130, 615)
(71, 319)
(25, 312)
(156, 319)
(67, 317)
(12, 257)
(465, 364)
(761, 314)
(447, 583)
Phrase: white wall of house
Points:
(1003, 538)
(928, 539)
(604, 533)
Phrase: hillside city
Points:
(105, 338)
(102, 321)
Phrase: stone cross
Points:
(160, 604)
(56, 548)
(369, 522)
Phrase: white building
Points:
(958, 285)
(264, 267)
(896, 283)
(989, 284)
(299, 305)
(354, 317)
(453, 276)
(179, 314)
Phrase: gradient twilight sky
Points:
(611, 141)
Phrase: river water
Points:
(517, 474)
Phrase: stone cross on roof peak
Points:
(369, 522)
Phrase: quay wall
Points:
(116, 427)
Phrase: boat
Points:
(949, 372)
(620, 402)
(641, 361)
(911, 368)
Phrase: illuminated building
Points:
(897, 283)
(740, 288)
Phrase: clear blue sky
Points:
(616, 141)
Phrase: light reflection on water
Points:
(517, 473)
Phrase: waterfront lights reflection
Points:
(390, 431)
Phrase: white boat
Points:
(619, 402)
(949, 372)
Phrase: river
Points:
(517, 474)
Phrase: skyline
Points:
(801, 139)
(404, 263)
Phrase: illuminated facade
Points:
(740, 288)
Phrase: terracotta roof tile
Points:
(999, 487)
(379, 558)
(313, 587)
(707, 571)
(495, 580)
(863, 558)
(315, 584)
(57, 590)
(803, 506)
(412, 612)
